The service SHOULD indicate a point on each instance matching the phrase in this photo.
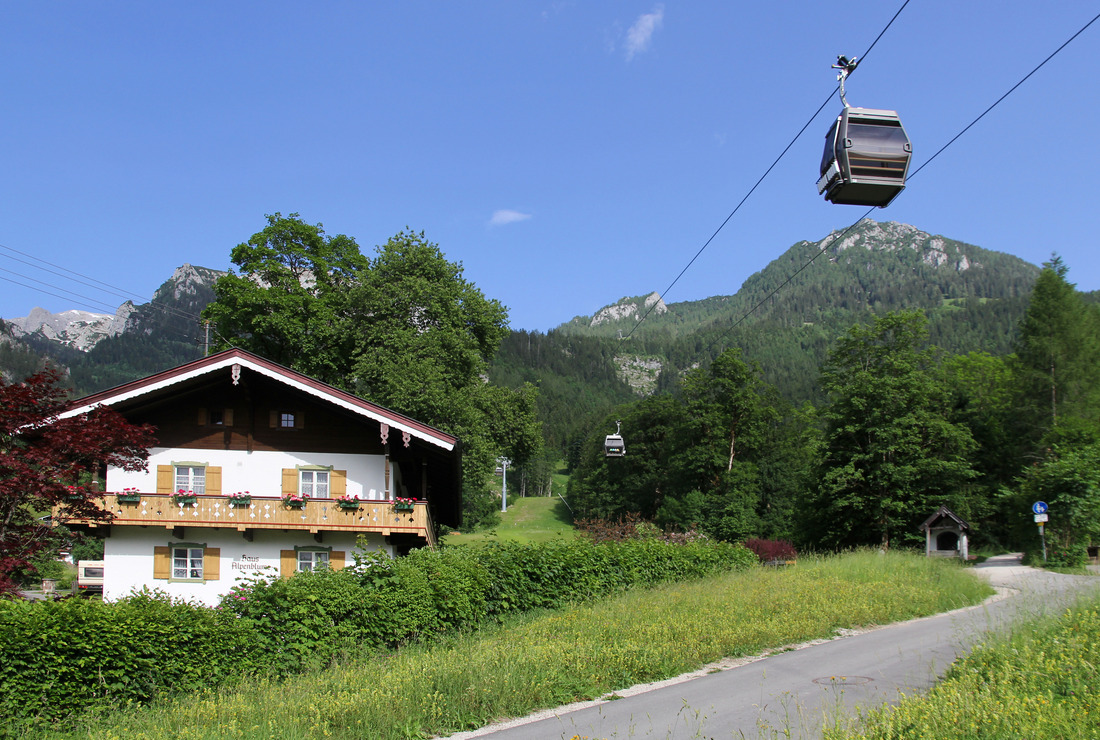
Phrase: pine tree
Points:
(1057, 365)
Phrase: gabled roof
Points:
(944, 513)
(225, 362)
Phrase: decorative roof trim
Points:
(244, 359)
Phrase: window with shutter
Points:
(187, 561)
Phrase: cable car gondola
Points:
(867, 153)
(613, 444)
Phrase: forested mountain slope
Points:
(973, 297)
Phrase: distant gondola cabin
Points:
(613, 446)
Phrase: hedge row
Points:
(73, 655)
(65, 656)
(383, 603)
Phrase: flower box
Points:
(295, 501)
(240, 498)
(129, 498)
(349, 505)
(404, 504)
(184, 499)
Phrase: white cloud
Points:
(503, 217)
(640, 34)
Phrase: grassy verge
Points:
(1041, 681)
(546, 660)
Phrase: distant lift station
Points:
(867, 153)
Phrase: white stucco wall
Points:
(128, 557)
(259, 473)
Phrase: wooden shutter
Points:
(336, 559)
(202, 417)
(273, 419)
(162, 563)
(338, 483)
(227, 417)
(211, 563)
(288, 563)
(299, 420)
(290, 481)
(213, 480)
(166, 479)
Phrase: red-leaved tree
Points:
(46, 460)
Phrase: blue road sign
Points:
(1039, 507)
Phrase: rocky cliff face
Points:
(80, 330)
(183, 295)
(630, 308)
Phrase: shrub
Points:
(65, 656)
(771, 550)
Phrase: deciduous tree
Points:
(891, 455)
(405, 330)
(289, 301)
(47, 460)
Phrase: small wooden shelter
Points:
(946, 535)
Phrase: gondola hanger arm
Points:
(845, 67)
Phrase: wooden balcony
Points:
(316, 516)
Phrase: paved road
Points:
(793, 691)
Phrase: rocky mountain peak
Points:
(80, 330)
(188, 290)
(890, 236)
(630, 308)
(186, 281)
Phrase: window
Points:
(286, 420)
(314, 483)
(191, 478)
(187, 563)
(217, 417)
(191, 562)
(312, 559)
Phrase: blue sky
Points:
(567, 153)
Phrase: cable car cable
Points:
(760, 180)
(1010, 91)
(915, 172)
(108, 287)
(113, 289)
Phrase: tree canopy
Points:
(289, 303)
(1057, 364)
(46, 461)
(405, 330)
(891, 454)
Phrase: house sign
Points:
(248, 562)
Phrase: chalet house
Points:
(260, 469)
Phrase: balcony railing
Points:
(316, 515)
